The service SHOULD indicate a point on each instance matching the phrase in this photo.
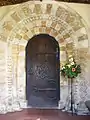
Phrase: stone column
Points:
(9, 77)
(18, 69)
(17, 91)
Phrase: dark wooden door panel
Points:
(42, 77)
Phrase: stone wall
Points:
(56, 19)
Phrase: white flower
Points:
(69, 66)
(70, 59)
(72, 63)
(63, 67)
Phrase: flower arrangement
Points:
(71, 69)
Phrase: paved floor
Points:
(35, 114)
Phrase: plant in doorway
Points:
(70, 69)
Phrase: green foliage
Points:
(71, 71)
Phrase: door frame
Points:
(58, 63)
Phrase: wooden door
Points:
(42, 71)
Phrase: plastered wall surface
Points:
(68, 23)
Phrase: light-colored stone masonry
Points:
(30, 18)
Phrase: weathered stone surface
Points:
(37, 9)
(48, 8)
(15, 17)
(64, 29)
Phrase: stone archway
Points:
(31, 18)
